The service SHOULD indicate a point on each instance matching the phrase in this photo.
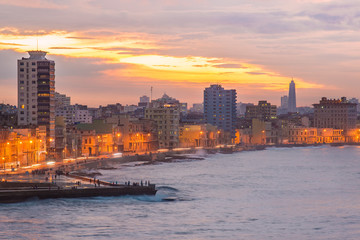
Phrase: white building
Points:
(36, 92)
(75, 114)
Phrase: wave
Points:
(167, 188)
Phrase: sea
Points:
(277, 193)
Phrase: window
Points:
(21, 70)
(33, 82)
(33, 63)
(22, 106)
(22, 64)
(22, 82)
(33, 69)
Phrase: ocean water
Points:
(278, 193)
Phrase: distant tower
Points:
(292, 97)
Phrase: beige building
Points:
(22, 147)
(263, 132)
(262, 111)
(303, 135)
(167, 117)
(335, 113)
(200, 135)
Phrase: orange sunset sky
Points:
(112, 51)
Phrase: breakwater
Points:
(23, 193)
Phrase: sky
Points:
(110, 51)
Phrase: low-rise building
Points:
(203, 135)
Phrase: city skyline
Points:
(112, 51)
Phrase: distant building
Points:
(355, 100)
(183, 109)
(292, 97)
(144, 101)
(241, 108)
(165, 112)
(220, 108)
(335, 113)
(74, 114)
(197, 107)
(36, 93)
(8, 116)
(263, 111)
(284, 102)
(61, 101)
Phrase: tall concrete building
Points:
(220, 108)
(292, 97)
(36, 93)
(165, 112)
(335, 113)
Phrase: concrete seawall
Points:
(17, 195)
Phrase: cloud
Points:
(42, 4)
(229, 65)
(64, 48)
(11, 44)
(257, 73)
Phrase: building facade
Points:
(220, 108)
(36, 93)
(335, 113)
(263, 111)
(167, 117)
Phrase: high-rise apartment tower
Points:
(220, 108)
(36, 92)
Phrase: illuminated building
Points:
(335, 113)
(301, 135)
(165, 112)
(220, 108)
(203, 135)
(36, 89)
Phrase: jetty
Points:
(21, 191)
